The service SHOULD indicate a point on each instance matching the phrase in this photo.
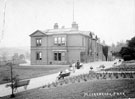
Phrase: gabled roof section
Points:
(37, 33)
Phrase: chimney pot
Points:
(75, 25)
(56, 26)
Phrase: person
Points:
(61, 72)
(66, 71)
(16, 81)
(71, 67)
(91, 68)
(74, 66)
(77, 64)
(59, 77)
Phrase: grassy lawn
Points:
(95, 89)
(26, 72)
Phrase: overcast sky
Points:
(110, 20)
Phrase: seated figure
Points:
(63, 74)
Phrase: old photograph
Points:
(67, 49)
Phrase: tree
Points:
(125, 51)
(128, 52)
(27, 54)
(131, 43)
(105, 51)
(12, 79)
(113, 47)
(15, 56)
(21, 57)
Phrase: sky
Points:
(111, 20)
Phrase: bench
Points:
(24, 84)
(63, 75)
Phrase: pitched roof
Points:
(65, 31)
(41, 33)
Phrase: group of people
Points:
(75, 66)
(72, 68)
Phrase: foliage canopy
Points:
(128, 53)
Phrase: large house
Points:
(64, 46)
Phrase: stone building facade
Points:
(64, 46)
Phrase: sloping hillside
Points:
(9, 51)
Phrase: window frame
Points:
(55, 40)
(38, 55)
(57, 56)
(38, 42)
(63, 40)
(60, 41)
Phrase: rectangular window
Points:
(39, 56)
(63, 41)
(38, 42)
(59, 41)
(55, 40)
(57, 56)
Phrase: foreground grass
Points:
(26, 72)
(79, 90)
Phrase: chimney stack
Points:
(56, 26)
(75, 25)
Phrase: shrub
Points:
(104, 75)
(116, 75)
(124, 75)
(54, 84)
(110, 75)
(44, 86)
(49, 85)
(85, 79)
(131, 75)
(78, 80)
(127, 57)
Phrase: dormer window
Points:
(38, 42)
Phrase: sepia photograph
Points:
(67, 49)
